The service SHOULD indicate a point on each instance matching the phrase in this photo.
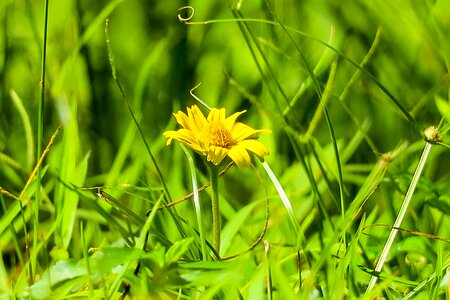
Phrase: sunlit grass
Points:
(94, 205)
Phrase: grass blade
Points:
(26, 125)
(197, 203)
(300, 236)
(40, 134)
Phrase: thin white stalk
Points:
(197, 203)
(284, 198)
(400, 216)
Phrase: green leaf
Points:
(444, 107)
(101, 263)
(216, 272)
(442, 204)
(233, 226)
(26, 125)
(66, 200)
(63, 270)
(177, 250)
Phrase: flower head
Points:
(217, 136)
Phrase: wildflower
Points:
(217, 136)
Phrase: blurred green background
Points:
(253, 65)
(159, 60)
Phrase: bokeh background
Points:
(159, 59)
(255, 65)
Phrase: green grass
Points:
(94, 205)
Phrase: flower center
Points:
(216, 135)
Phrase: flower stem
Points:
(214, 177)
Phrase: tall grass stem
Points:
(400, 216)
(130, 110)
(40, 130)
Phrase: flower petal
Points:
(184, 136)
(240, 156)
(229, 122)
(216, 154)
(169, 141)
(198, 119)
(216, 115)
(170, 135)
(255, 146)
(240, 132)
(182, 119)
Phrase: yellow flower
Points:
(217, 136)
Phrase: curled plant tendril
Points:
(191, 15)
(197, 98)
(193, 89)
